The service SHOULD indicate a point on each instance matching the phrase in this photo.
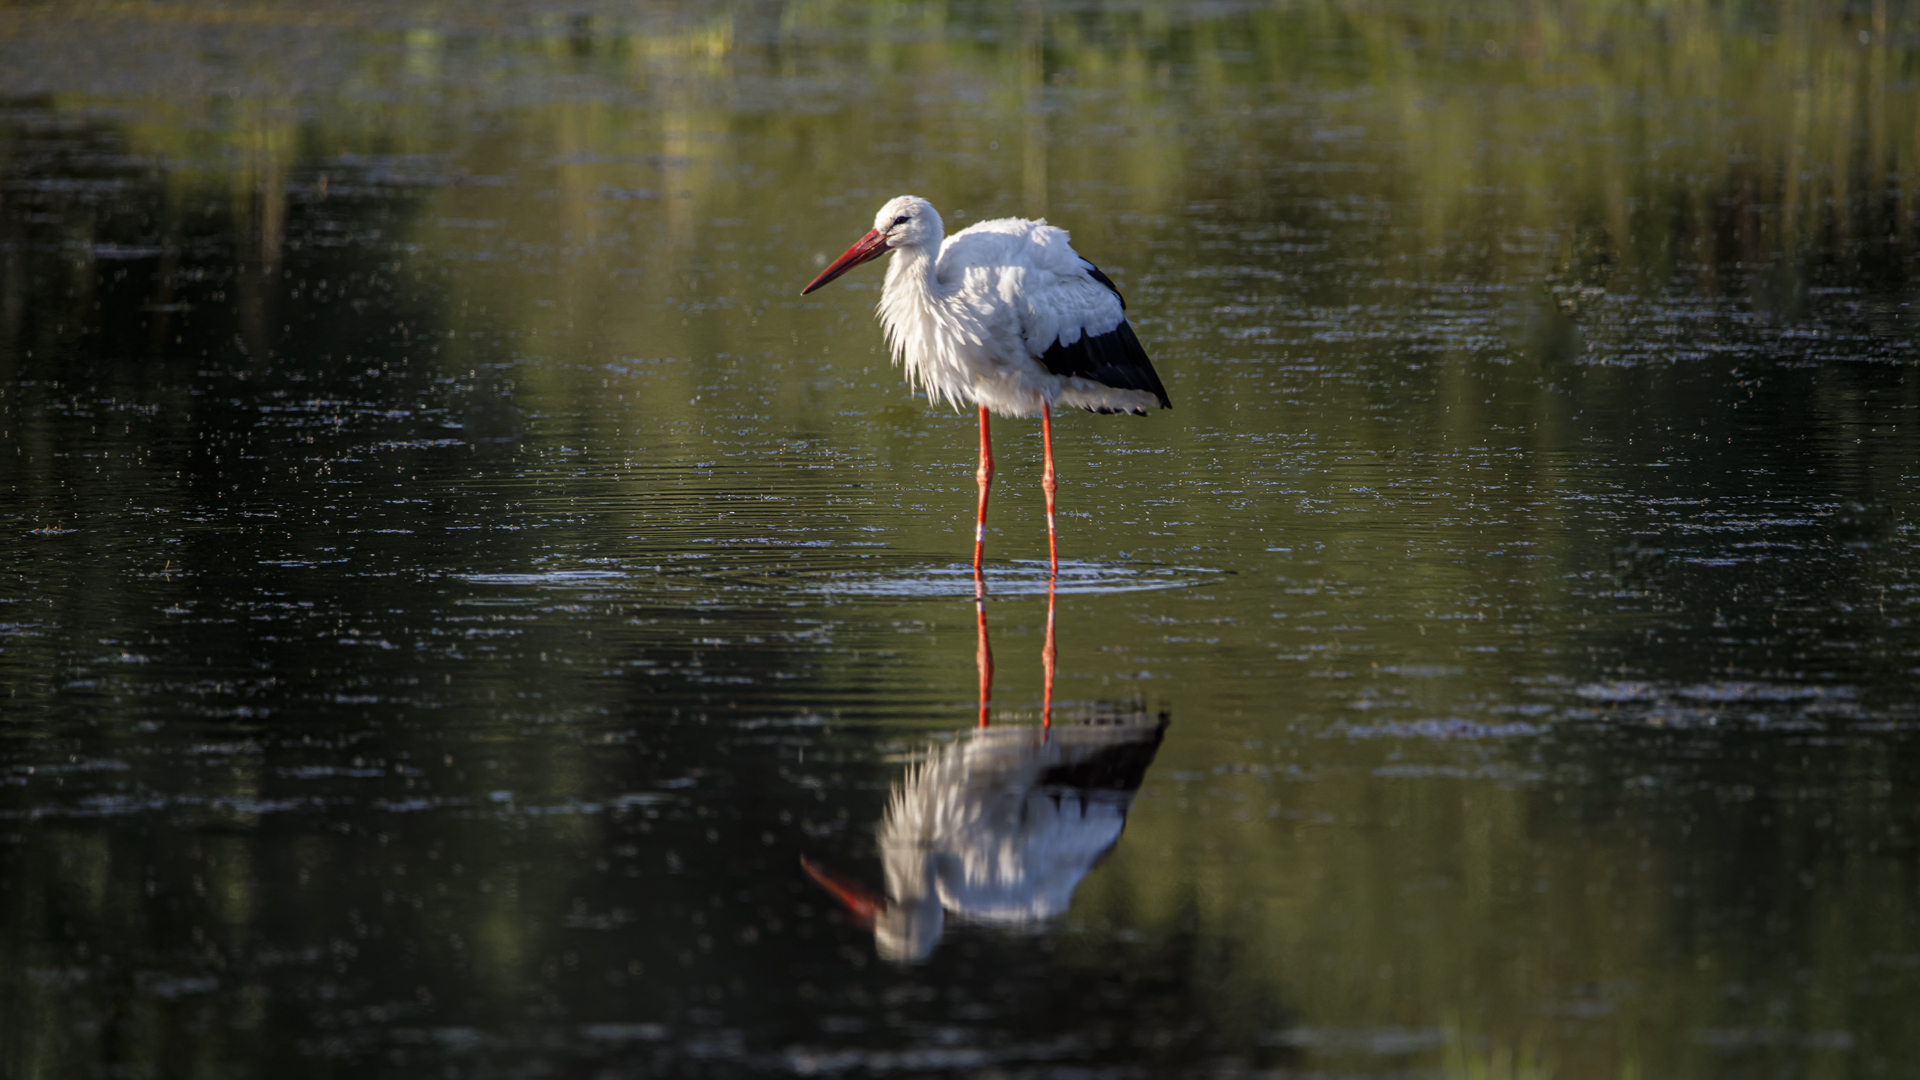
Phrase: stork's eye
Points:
(901, 220)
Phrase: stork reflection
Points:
(1000, 826)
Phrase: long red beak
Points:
(867, 248)
(862, 903)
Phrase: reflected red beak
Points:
(863, 903)
(867, 248)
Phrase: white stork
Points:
(1006, 315)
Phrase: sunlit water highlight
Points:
(1014, 579)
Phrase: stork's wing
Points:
(1070, 315)
(1114, 358)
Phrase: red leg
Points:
(1046, 665)
(1048, 485)
(985, 475)
(983, 654)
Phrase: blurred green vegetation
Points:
(1580, 155)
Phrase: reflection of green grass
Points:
(1585, 146)
(1468, 1056)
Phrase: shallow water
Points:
(450, 581)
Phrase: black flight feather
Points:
(1114, 359)
(1108, 282)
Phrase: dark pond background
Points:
(449, 579)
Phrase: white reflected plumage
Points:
(1001, 826)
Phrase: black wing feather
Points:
(1108, 282)
(1114, 359)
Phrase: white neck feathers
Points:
(921, 324)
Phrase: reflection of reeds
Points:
(1468, 1055)
(1597, 145)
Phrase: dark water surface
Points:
(450, 581)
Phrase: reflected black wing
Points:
(1121, 767)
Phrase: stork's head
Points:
(905, 222)
(909, 221)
